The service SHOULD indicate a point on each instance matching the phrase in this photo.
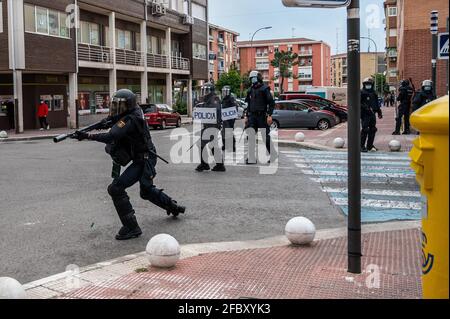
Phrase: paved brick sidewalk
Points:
(384, 135)
(316, 271)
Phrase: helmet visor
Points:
(118, 106)
(206, 90)
(226, 91)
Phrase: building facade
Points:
(371, 63)
(391, 55)
(313, 68)
(223, 51)
(414, 41)
(76, 59)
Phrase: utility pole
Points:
(354, 137)
(434, 28)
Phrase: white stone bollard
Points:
(395, 146)
(300, 231)
(163, 251)
(3, 134)
(299, 137)
(339, 142)
(11, 289)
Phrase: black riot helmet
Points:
(368, 83)
(226, 91)
(207, 89)
(122, 102)
(427, 85)
(404, 83)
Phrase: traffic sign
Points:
(316, 3)
(443, 46)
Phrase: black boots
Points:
(130, 228)
(203, 167)
(219, 168)
(175, 209)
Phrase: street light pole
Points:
(354, 137)
(376, 59)
(251, 41)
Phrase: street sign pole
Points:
(434, 35)
(354, 138)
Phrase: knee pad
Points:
(149, 193)
(115, 190)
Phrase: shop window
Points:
(58, 103)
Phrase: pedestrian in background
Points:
(392, 99)
(369, 108)
(405, 96)
(42, 114)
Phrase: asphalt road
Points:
(55, 209)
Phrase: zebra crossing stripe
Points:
(345, 162)
(410, 175)
(378, 203)
(364, 157)
(364, 167)
(375, 181)
(308, 153)
(379, 192)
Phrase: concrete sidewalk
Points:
(323, 140)
(31, 135)
(267, 269)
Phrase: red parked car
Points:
(161, 115)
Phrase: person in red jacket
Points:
(42, 114)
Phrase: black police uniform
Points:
(422, 97)
(369, 107)
(129, 140)
(229, 102)
(211, 100)
(260, 105)
(405, 96)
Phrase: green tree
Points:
(284, 61)
(233, 79)
(381, 84)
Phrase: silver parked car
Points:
(297, 114)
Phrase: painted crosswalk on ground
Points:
(389, 189)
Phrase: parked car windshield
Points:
(149, 108)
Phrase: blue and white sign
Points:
(230, 113)
(205, 115)
(443, 46)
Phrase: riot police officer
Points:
(405, 96)
(128, 141)
(424, 96)
(369, 107)
(210, 132)
(260, 109)
(228, 101)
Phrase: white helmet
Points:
(255, 77)
(427, 84)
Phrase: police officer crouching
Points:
(128, 141)
(405, 95)
(209, 99)
(424, 96)
(259, 111)
(369, 107)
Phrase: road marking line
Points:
(406, 164)
(377, 203)
(343, 173)
(379, 192)
(324, 180)
(364, 157)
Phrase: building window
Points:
(1, 17)
(199, 51)
(44, 21)
(89, 33)
(198, 11)
(392, 32)
(392, 11)
(123, 39)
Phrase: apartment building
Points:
(223, 51)
(391, 56)
(371, 63)
(414, 42)
(313, 69)
(76, 59)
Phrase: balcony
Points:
(94, 53)
(180, 64)
(211, 38)
(262, 54)
(129, 57)
(221, 55)
(305, 53)
(303, 78)
(262, 66)
(157, 61)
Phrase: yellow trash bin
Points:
(430, 162)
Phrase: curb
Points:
(309, 146)
(63, 283)
(46, 137)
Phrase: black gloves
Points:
(80, 135)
